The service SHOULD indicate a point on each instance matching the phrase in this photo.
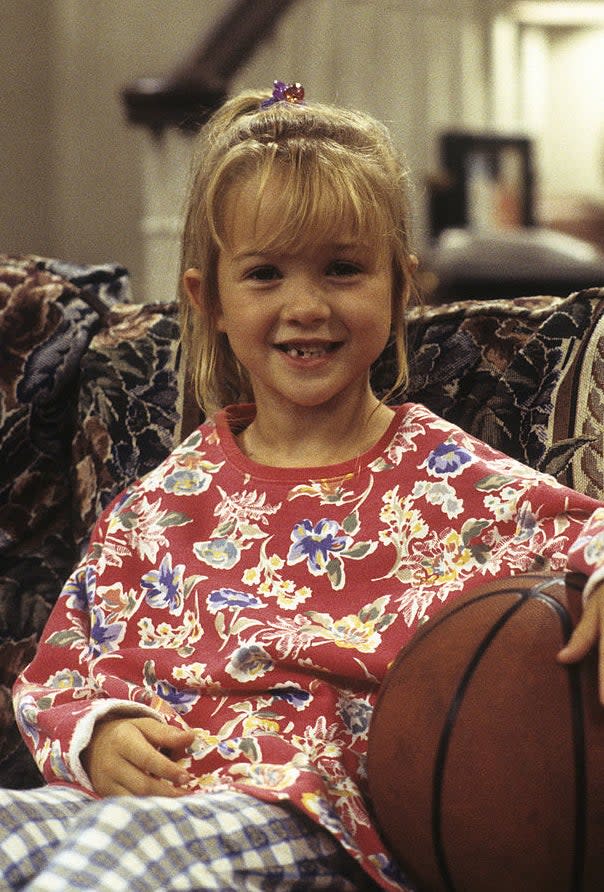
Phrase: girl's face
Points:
(306, 324)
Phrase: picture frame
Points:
(486, 182)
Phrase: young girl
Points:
(200, 701)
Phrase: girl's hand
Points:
(124, 758)
(588, 630)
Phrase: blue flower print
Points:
(57, 763)
(526, 524)
(27, 718)
(66, 679)
(228, 598)
(356, 715)
(390, 869)
(448, 460)
(230, 749)
(249, 662)
(79, 590)
(181, 701)
(104, 637)
(292, 694)
(187, 482)
(165, 586)
(316, 544)
(220, 553)
(75, 591)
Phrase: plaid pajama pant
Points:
(57, 838)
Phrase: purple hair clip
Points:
(283, 92)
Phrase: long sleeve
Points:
(586, 555)
(59, 697)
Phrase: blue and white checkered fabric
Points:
(56, 839)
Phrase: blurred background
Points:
(503, 100)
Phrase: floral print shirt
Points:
(261, 606)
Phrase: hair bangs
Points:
(321, 197)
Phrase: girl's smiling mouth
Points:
(307, 350)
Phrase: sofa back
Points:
(88, 402)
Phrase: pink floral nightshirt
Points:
(261, 606)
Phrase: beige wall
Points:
(420, 66)
(71, 171)
(573, 153)
(75, 177)
(77, 182)
(25, 120)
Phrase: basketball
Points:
(486, 755)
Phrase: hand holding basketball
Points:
(588, 631)
(485, 753)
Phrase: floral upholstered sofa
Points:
(88, 402)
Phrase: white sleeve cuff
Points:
(593, 581)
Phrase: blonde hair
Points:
(337, 164)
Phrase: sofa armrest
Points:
(49, 312)
(127, 405)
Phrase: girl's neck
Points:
(314, 437)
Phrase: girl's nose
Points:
(306, 303)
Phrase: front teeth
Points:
(305, 352)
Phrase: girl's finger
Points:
(584, 635)
(166, 736)
(154, 764)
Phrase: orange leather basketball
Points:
(486, 756)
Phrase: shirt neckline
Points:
(231, 420)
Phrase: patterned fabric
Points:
(526, 375)
(60, 838)
(49, 312)
(127, 405)
(261, 606)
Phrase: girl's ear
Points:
(191, 281)
(193, 286)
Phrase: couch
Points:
(89, 401)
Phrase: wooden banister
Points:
(186, 97)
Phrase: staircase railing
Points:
(185, 98)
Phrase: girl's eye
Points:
(264, 273)
(344, 268)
